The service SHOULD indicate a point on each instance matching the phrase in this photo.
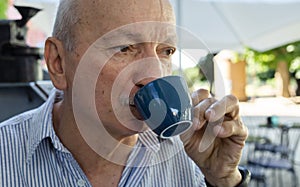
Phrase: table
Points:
(284, 138)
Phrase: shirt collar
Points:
(42, 126)
(150, 140)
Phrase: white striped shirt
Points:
(31, 155)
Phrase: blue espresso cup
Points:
(166, 106)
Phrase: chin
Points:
(137, 126)
(131, 128)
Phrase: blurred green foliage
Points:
(3, 8)
(194, 78)
(263, 64)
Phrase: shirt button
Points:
(81, 183)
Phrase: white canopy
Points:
(220, 24)
(232, 24)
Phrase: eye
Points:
(122, 48)
(169, 51)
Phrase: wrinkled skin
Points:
(219, 159)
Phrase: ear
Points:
(54, 56)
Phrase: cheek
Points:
(167, 67)
(124, 59)
(104, 87)
(108, 75)
(103, 102)
(169, 70)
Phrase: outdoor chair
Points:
(276, 158)
(283, 150)
(258, 175)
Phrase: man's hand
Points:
(217, 138)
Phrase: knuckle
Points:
(232, 98)
(245, 130)
(203, 91)
(211, 100)
(199, 95)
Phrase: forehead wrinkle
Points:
(112, 14)
(136, 11)
(134, 38)
(121, 38)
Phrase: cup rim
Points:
(185, 121)
(158, 79)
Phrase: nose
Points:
(145, 81)
(149, 67)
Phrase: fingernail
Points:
(211, 114)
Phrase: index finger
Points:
(228, 106)
(199, 95)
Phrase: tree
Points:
(281, 62)
(3, 8)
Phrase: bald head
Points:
(89, 19)
(119, 12)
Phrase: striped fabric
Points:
(31, 155)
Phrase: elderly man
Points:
(89, 133)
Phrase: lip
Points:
(133, 91)
(135, 112)
(132, 106)
(131, 101)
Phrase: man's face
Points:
(133, 45)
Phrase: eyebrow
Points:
(125, 37)
(170, 39)
(119, 38)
